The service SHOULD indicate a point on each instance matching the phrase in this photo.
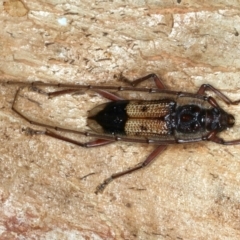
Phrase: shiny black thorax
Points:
(166, 117)
(193, 119)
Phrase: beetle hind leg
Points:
(158, 150)
(212, 136)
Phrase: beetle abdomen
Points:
(133, 118)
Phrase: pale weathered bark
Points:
(190, 192)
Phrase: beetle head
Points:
(219, 120)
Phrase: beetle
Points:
(171, 118)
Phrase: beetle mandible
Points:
(173, 118)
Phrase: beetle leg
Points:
(95, 143)
(207, 87)
(212, 136)
(158, 150)
(153, 76)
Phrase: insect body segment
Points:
(163, 121)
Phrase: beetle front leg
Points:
(212, 136)
(158, 150)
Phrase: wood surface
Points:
(47, 186)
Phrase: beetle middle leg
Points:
(223, 97)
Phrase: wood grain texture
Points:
(190, 192)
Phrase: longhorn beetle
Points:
(172, 118)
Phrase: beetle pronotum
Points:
(173, 117)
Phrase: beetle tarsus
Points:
(100, 188)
